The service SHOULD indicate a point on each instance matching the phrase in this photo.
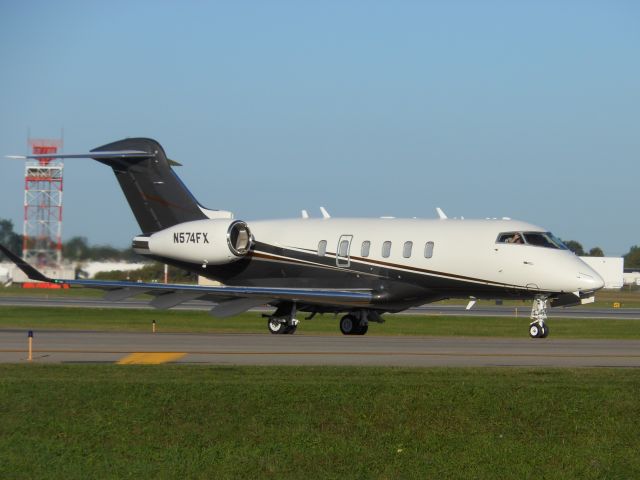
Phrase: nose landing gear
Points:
(538, 330)
(538, 327)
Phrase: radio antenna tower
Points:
(42, 233)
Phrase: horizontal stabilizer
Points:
(95, 155)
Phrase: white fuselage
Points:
(460, 248)
(403, 261)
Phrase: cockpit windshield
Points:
(537, 239)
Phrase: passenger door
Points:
(342, 252)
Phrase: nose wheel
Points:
(538, 327)
(538, 330)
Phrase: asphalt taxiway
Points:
(57, 346)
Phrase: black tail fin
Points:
(156, 195)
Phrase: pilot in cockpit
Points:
(515, 238)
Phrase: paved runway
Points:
(432, 309)
(265, 349)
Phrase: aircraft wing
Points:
(231, 299)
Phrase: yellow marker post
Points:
(30, 336)
(616, 304)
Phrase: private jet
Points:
(361, 268)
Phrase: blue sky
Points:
(487, 109)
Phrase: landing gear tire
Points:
(276, 326)
(290, 329)
(348, 325)
(538, 330)
(362, 329)
(534, 330)
(545, 331)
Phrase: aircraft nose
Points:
(589, 280)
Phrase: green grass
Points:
(34, 318)
(107, 421)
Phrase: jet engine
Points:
(206, 242)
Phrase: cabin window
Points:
(406, 250)
(386, 249)
(428, 250)
(322, 248)
(366, 246)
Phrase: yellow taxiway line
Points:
(150, 358)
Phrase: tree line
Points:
(79, 249)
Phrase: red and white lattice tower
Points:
(42, 233)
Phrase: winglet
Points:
(31, 272)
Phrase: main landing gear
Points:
(350, 325)
(538, 328)
(357, 322)
(282, 326)
(283, 321)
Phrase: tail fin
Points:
(156, 195)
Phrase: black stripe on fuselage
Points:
(398, 286)
(329, 261)
(269, 265)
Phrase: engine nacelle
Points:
(207, 242)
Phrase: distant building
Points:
(92, 268)
(609, 268)
(5, 276)
(631, 276)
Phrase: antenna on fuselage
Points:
(441, 214)
(324, 212)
